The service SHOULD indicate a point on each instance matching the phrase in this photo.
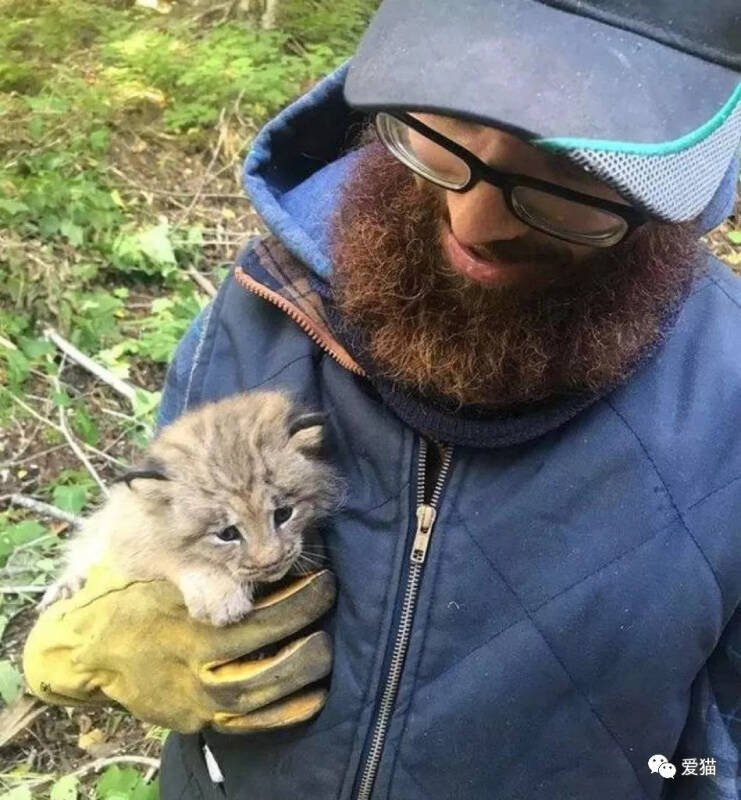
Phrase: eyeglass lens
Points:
(547, 212)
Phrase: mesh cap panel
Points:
(673, 186)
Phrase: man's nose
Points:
(481, 215)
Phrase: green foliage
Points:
(12, 535)
(72, 490)
(11, 681)
(17, 793)
(70, 498)
(65, 788)
(125, 783)
(199, 76)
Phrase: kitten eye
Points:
(280, 515)
(230, 534)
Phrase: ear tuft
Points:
(306, 431)
(151, 470)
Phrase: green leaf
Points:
(99, 139)
(155, 244)
(147, 791)
(145, 402)
(61, 399)
(118, 783)
(83, 424)
(35, 348)
(11, 206)
(70, 498)
(65, 788)
(20, 533)
(19, 366)
(10, 681)
(195, 235)
(19, 793)
(49, 225)
(734, 237)
(74, 234)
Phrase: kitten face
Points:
(245, 484)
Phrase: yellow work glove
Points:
(133, 642)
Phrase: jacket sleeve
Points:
(713, 729)
(179, 377)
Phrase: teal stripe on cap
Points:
(661, 149)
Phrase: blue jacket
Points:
(577, 607)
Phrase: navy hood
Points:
(298, 163)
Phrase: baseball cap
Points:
(644, 94)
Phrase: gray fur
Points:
(228, 463)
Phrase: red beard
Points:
(579, 330)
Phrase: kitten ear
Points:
(305, 432)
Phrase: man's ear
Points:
(305, 432)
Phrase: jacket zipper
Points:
(301, 319)
(426, 514)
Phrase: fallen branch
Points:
(16, 461)
(202, 281)
(59, 429)
(120, 386)
(18, 716)
(30, 589)
(67, 433)
(207, 175)
(45, 509)
(102, 763)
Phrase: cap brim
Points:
(538, 71)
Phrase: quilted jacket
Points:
(573, 611)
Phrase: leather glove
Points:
(133, 642)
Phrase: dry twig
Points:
(45, 509)
(67, 433)
(207, 176)
(102, 763)
(29, 589)
(120, 386)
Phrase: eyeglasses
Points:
(564, 213)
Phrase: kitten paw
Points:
(206, 603)
(61, 590)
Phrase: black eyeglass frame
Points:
(507, 181)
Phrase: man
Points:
(530, 371)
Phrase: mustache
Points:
(530, 247)
(523, 249)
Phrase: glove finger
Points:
(273, 618)
(286, 712)
(245, 686)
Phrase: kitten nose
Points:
(268, 554)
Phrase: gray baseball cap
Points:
(646, 94)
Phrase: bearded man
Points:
(484, 267)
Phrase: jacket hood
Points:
(298, 163)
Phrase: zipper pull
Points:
(425, 519)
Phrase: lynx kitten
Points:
(223, 500)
